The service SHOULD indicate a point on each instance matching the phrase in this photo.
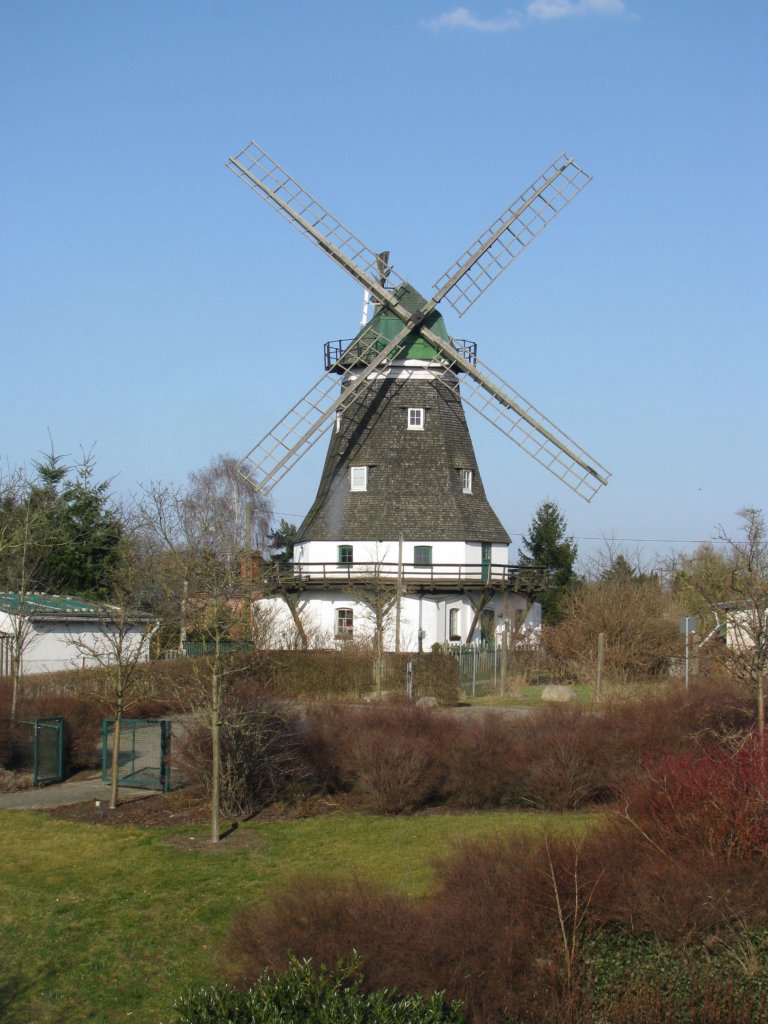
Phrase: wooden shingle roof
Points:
(414, 476)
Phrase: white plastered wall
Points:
(427, 616)
(52, 646)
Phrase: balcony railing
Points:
(444, 575)
(341, 353)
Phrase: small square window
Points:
(466, 480)
(344, 623)
(415, 419)
(345, 554)
(358, 478)
(422, 554)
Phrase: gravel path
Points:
(74, 791)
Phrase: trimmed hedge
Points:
(309, 674)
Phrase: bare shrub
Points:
(640, 636)
(262, 757)
(485, 764)
(570, 761)
(489, 934)
(392, 755)
(325, 921)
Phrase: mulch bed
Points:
(165, 810)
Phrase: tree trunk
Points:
(16, 676)
(183, 618)
(761, 709)
(215, 759)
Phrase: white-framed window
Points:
(358, 478)
(453, 624)
(415, 419)
(344, 623)
(338, 422)
(466, 480)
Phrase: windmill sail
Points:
(503, 241)
(416, 317)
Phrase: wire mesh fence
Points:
(144, 753)
(478, 668)
(35, 746)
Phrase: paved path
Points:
(76, 791)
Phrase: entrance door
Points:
(486, 560)
(488, 627)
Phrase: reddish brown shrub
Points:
(716, 801)
(393, 757)
(325, 921)
(688, 854)
(489, 935)
(571, 760)
(485, 763)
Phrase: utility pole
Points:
(399, 592)
(600, 659)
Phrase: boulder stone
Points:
(558, 694)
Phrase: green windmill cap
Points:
(387, 325)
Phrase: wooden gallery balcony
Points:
(413, 578)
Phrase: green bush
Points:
(303, 995)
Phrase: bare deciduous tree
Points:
(748, 606)
(216, 513)
(117, 646)
(209, 534)
(22, 552)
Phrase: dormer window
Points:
(358, 478)
(415, 419)
(466, 480)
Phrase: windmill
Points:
(401, 503)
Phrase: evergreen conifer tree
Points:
(548, 546)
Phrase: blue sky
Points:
(154, 307)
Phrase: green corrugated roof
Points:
(50, 604)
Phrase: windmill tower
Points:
(401, 542)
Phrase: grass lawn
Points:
(103, 923)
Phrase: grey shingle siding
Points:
(414, 479)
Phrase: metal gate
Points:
(39, 745)
(144, 757)
(49, 750)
